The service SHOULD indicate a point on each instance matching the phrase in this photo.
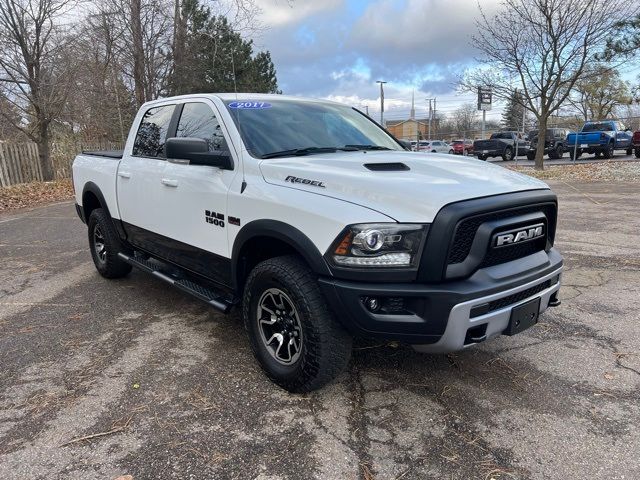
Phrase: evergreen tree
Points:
(211, 51)
(512, 115)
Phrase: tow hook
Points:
(554, 301)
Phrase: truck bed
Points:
(104, 153)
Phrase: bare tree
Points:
(37, 68)
(542, 47)
(106, 106)
(464, 119)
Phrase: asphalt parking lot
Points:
(105, 378)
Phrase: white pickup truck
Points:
(321, 227)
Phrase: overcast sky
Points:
(337, 49)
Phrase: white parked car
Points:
(435, 146)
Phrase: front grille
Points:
(511, 299)
(496, 256)
(467, 228)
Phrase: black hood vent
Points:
(387, 167)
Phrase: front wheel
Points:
(292, 331)
(105, 246)
(559, 152)
(482, 157)
(451, 152)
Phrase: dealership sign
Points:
(484, 98)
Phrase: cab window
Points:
(152, 132)
(198, 121)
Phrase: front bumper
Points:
(439, 317)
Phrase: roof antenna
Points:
(235, 89)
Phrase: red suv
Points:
(635, 142)
(462, 147)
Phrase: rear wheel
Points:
(574, 154)
(507, 155)
(292, 331)
(531, 155)
(105, 246)
(608, 151)
(629, 151)
(637, 152)
(451, 152)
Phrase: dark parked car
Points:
(555, 143)
(462, 147)
(636, 143)
(501, 144)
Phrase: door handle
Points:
(124, 174)
(169, 182)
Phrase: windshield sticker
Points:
(249, 105)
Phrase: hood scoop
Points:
(387, 167)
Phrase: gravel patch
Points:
(592, 172)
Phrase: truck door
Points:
(623, 137)
(194, 198)
(138, 179)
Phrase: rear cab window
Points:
(152, 132)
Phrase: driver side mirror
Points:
(196, 151)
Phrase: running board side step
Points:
(214, 299)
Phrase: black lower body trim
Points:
(202, 262)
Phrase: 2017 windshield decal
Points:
(249, 105)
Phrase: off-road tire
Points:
(608, 151)
(326, 346)
(558, 152)
(111, 266)
(507, 155)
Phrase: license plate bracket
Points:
(523, 316)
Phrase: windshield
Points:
(293, 127)
(598, 127)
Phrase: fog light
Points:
(372, 304)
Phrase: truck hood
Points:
(414, 195)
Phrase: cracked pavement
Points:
(160, 386)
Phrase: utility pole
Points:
(434, 111)
(381, 101)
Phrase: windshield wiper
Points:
(307, 151)
(367, 147)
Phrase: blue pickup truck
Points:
(600, 138)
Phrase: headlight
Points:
(378, 245)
